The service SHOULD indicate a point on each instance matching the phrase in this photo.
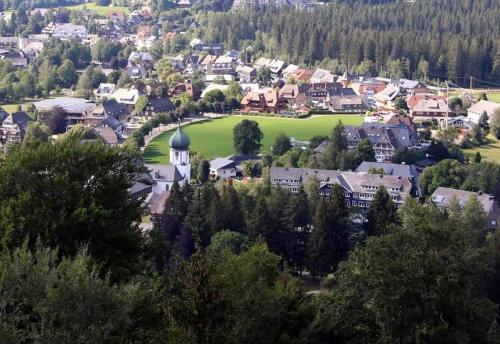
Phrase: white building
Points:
(65, 31)
(179, 168)
(476, 110)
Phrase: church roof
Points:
(179, 140)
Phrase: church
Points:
(179, 168)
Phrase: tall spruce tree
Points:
(382, 213)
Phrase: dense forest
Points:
(442, 39)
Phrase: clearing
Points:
(214, 138)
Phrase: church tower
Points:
(179, 153)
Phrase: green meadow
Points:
(214, 138)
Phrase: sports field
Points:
(100, 10)
(215, 137)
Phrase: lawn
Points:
(489, 152)
(494, 97)
(100, 10)
(215, 137)
(10, 108)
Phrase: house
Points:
(293, 94)
(112, 108)
(229, 167)
(185, 87)
(158, 105)
(349, 104)
(276, 67)
(14, 126)
(65, 31)
(108, 136)
(223, 65)
(126, 96)
(289, 70)
(359, 187)
(391, 169)
(247, 74)
(404, 121)
(322, 76)
(268, 101)
(425, 106)
(77, 110)
(443, 196)
(386, 98)
(386, 139)
(104, 90)
(3, 115)
(141, 57)
(482, 106)
(210, 48)
(184, 3)
(302, 75)
(223, 168)
(461, 122)
(9, 42)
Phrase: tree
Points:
(66, 74)
(446, 173)
(252, 168)
(282, 144)
(477, 158)
(164, 69)
(483, 122)
(400, 104)
(328, 241)
(317, 140)
(36, 133)
(234, 90)
(456, 105)
(264, 75)
(382, 213)
(228, 240)
(495, 123)
(413, 283)
(141, 104)
(56, 120)
(203, 171)
(448, 136)
(77, 194)
(364, 151)
(41, 294)
(247, 137)
(214, 96)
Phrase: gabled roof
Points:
(221, 163)
(484, 105)
(442, 197)
(167, 173)
(21, 120)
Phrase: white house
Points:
(476, 110)
(223, 168)
(126, 96)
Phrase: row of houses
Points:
(360, 187)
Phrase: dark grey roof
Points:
(139, 190)
(113, 108)
(21, 119)
(397, 170)
(161, 104)
(398, 136)
(112, 122)
(221, 163)
(3, 115)
(340, 91)
(168, 173)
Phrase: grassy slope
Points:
(215, 138)
(489, 152)
(100, 10)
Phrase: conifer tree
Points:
(381, 214)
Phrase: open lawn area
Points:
(489, 152)
(215, 137)
(10, 108)
(100, 10)
(494, 97)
